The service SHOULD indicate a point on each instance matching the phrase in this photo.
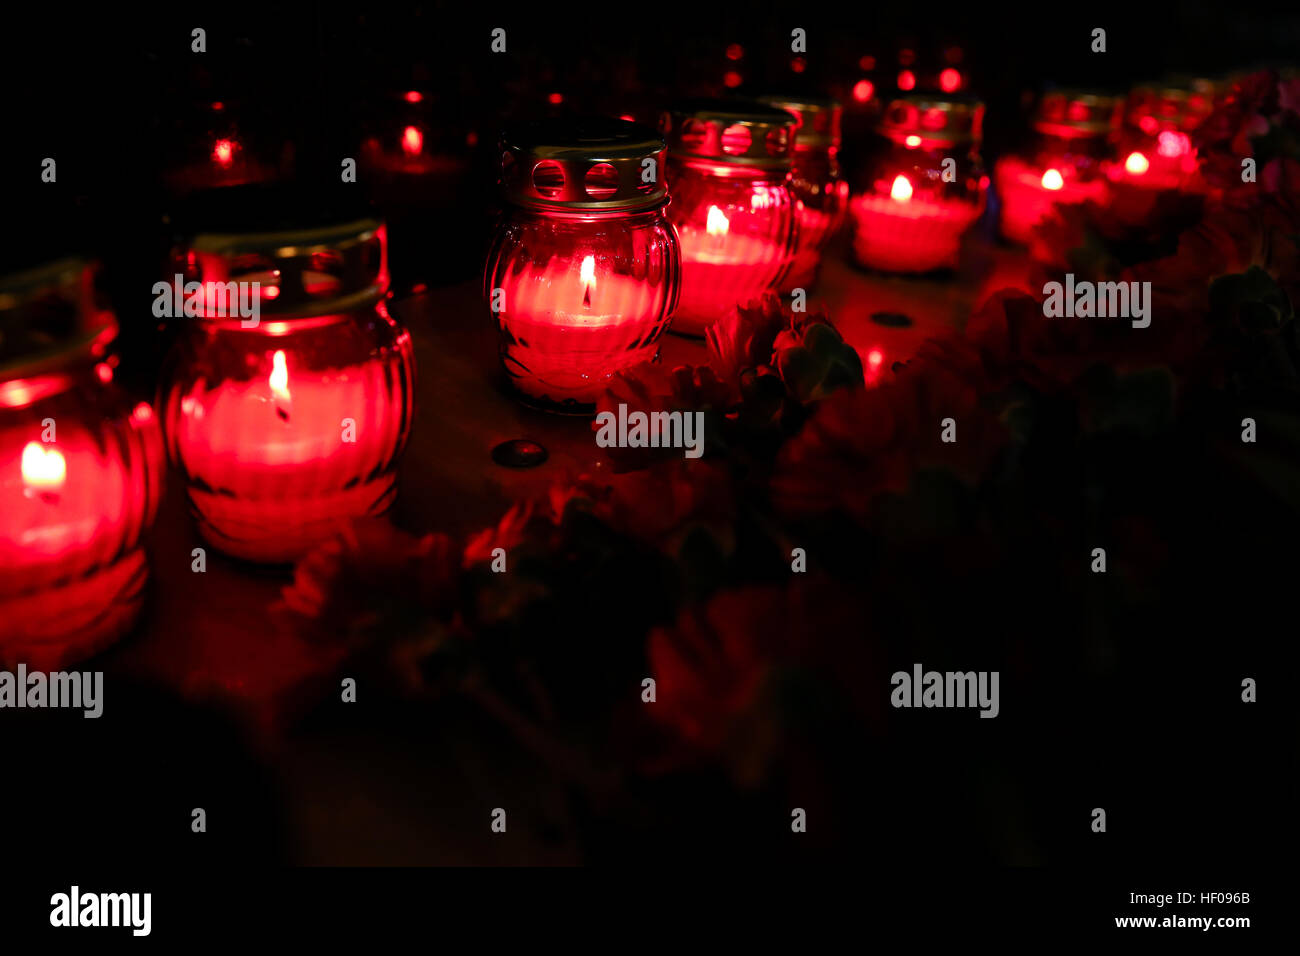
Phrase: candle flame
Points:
(718, 223)
(901, 191)
(1173, 144)
(43, 468)
(279, 380)
(412, 141)
(588, 275)
(1052, 179)
(223, 152)
(1137, 163)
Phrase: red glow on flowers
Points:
(1052, 179)
(628, 117)
(1172, 144)
(223, 152)
(413, 96)
(1137, 163)
(104, 373)
(1148, 124)
(731, 80)
(142, 413)
(412, 141)
(735, 51)
(555, 99)
(218, 106)
(950, 80)
(906, 80)
(862, 90)
(901, 191)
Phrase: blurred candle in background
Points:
(1074, 134)
(821, 194)
(1155, 149)
(925, 188)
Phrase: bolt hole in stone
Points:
(519, 453)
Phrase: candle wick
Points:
(586, 297)
(282, 412)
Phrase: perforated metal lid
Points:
(592, 164)
(1077, 113)
(735, 132)
(817, 119)
(49, 314)
(928, 122)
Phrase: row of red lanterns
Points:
(614, 231)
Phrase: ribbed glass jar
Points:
(585, 268)
(80, 474)
(733, 205)
(284, 430)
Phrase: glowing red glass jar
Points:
(585, 267)
(80, 473)
(925, 188)
(821, 194)
(733, 205)
(284, 430)
(1155, 146)
(1074, 140)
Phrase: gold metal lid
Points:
(48, 314)
(733, 132)
(1178, 103)
(321, 257)
(930, 122)
(593, 164)
(1077, 113)
(817, 119)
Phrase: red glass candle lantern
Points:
(1074, 139)
(209, 146)
(415, 164)
(925, 189)
(584, 271)
(80, 471)
(821, 195)
(729, 174)
(1155, 145)
(285, 429)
